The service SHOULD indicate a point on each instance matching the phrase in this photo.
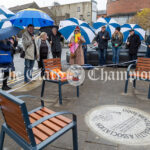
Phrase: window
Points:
(78, 9)
(89, 14)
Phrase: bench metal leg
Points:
(43, 88)
(75, 138)
(60, 93)
(126, 86)
(134, 83)
(78, 91)
(149, 92)
(2, 136)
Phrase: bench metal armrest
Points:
(51, 116)
(22, 96)
(129, 68)
(55, 73)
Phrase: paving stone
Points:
(93, 146)
(125, 147)
(93, 138)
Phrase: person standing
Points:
(44, 49)
(148, 47)
(14, 43)
(31, 53)
(78, 57)
(102, 39)
(117, 40)
(55, 41)
(85, 53)
(5, 45)
(133, 44)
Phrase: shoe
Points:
(25, 82)
(6, 88)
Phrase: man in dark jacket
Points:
(55, 41)
(102, 40)
(133, 44)
(148, 47)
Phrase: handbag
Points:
(5, 57)
(22, 54)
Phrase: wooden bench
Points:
(36, 129)
(49, 65)
(141, 72)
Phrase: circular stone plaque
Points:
(120, 124)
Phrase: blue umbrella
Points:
(67, 27)
(4, 15)
(138, 30)
(8, 32)
(31, 16)
(110, 24)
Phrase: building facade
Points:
(123, 10)
(101, 13)
(86, 11)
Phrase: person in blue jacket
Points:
(148, 47)
(5, 45)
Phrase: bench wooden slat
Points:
(13, 117)
(62, 118)
(47, 123)
(54, 120)
(54, 59)
(52, 63)
(40, 135)
(9, 106)
(17, 128)
(37, 140)
(143, 65)
(43, 128)
(52, 67)
(142, 58)
(143, 69)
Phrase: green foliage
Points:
(142, 18)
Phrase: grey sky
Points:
(11, 3)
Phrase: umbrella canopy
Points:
(8, 32)
(31, 16)
(67, 27)
(110, 24)
(5, 24)
(4, 15)
(138, 30)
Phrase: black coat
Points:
(102, 43)
(56, 43)
(134, 44)
(148, 43)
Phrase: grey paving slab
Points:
(92, 94)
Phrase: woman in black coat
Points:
(55, 41)
(148, 47)
(5, 45)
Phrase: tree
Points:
(142, 18)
